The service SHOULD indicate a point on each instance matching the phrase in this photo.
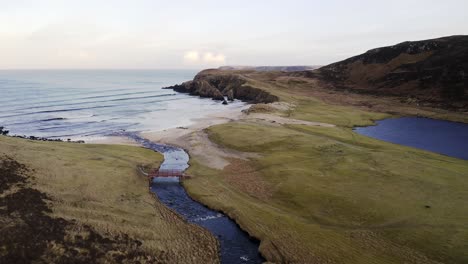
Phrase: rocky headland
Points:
(221, 85)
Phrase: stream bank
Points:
(236, 246)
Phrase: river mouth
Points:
(236, 246)
(439, 136)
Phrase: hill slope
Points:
(432, 71)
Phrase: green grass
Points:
(98, 185)
(314, 110)
(335, 196)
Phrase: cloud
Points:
(192, 57)
(209, 57)
(204, 58)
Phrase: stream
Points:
(236, 246)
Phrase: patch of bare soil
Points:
(28, 234)
(209, 153)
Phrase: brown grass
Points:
(359, 72)
(247, 179)
(97, 186)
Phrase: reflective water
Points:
(236, 245)
(85, 104)
(444, 137)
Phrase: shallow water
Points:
(444, 137)
(84, 104)
(236, 245)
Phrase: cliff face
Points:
(433, 70)
(217, 84)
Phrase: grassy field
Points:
(87, 203)
(323, 101)
(329, 195)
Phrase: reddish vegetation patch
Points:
(247, 179)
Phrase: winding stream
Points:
(235, 245)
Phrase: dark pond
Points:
(444, 137)
(236, 245)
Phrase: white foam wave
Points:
(201, 219)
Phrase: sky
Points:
(144, 34)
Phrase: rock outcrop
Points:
(218, 84)
(201, 88)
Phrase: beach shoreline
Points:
(195, 140)
(173, 135)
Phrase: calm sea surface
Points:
(444, 137)
(82, 104)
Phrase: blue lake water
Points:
(81, 104)
(444, 137)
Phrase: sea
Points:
(90, 104)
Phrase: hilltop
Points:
(271, 68)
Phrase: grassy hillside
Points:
(432, 72)
(62, 202)
(329, 195)
(309, 90)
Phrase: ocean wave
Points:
(143, 97)
(105, 130)
(57, 111)
(68, 105)
(66, 126)
(67, 95)
(87, 108)
(35, 121)
(52, 119)
(93, 102)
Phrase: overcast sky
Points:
(203, 33)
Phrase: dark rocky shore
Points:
(6, 133)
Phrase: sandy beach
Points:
(195, 140)
(173, 135)
(118, 140)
